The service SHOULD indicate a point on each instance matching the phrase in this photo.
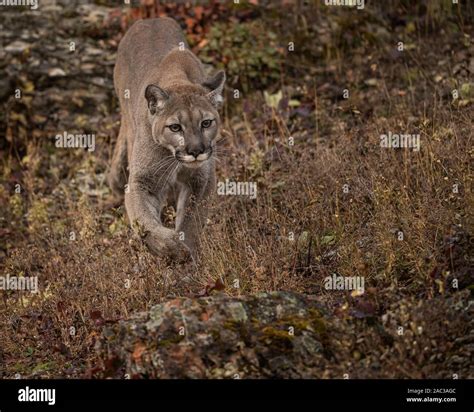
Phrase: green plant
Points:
(248, 51)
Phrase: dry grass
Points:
(300, 196)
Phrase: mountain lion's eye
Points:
(175, 127)
(206, 123)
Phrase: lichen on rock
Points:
(265, 335)
(290, 335)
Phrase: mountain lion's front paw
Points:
(167, 244)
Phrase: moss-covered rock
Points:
(220, 336)
(289, 335)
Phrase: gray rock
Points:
(17, 47)
(222, 336)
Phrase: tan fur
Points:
(152, 163)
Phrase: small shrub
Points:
(248, 51)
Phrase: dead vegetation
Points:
(330, 199)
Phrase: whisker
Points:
(160, 169)
(223, 154)
(221, 138)
(162, 161)
(216, 157)
(222, 150)
(170, 167)
(162, 164)
(171, 173)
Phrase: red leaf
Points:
(218, 284)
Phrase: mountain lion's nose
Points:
(195, 150)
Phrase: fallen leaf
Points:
(139, 350)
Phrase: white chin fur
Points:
(188, 159)
(192, 159)
(193, 162)
(202, 157)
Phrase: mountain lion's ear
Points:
(216, 86)
(156, 98)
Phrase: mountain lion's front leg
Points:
(191, 213)
(144, 209)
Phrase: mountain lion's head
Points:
(185, 118)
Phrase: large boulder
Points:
(278, 334)
(289, 335)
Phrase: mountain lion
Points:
(165, 152)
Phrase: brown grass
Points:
(300, 192)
